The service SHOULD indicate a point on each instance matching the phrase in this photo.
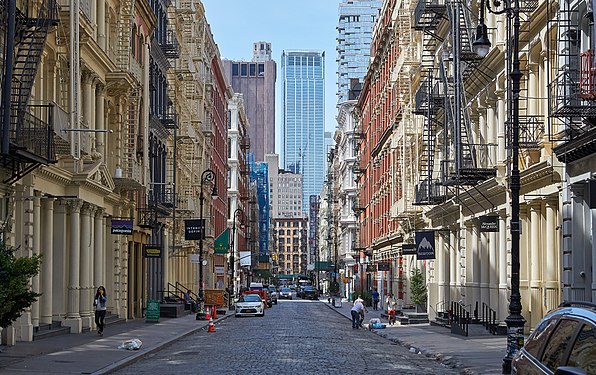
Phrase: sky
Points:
(286, 24)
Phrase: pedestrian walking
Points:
(391, 308)
(356, 312)
(375, 299)
(100, 304)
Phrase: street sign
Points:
(194, 229)
(153, 311)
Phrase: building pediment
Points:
(97, 177)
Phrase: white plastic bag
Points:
(134, 344)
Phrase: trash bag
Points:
(375, 321)
(133, 344)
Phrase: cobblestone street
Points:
(294, 337)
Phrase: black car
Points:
(564, 342)
(308, 292)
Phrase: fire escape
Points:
(443, 100)
(27, 140)
(572, 93)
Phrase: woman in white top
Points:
(100, 303)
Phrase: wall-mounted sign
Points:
(245, 258)
(383, 266)
(489, 223)
(371, 267)
(194, 229)
(425, 245)
(152, 251)
(195, 258)
(120, 226)
(220, 270)
(408, 249)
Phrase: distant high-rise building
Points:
(256, 81)
(303, 116)
(285, 190)
(356, 22)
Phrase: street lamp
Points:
(208, 176)
(333, 242)
(515, 321)
(233, 252)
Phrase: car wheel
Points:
(262, 315)
(236, 316)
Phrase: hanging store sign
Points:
(425, 245)
(383, 266)
(408, 249)
(120, 226)
(489, 223)
(245, 258)
(151, 251)
(221, 243)
(194, 229)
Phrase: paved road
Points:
(294, 337)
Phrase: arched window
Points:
(133, 40)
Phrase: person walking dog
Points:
(100, 304)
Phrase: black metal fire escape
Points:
(28, 136)
(572, 93)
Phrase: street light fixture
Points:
(237, 212)
(515, 321)
(208, 176)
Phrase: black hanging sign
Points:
(194, 229)
(383, 266)
(425, 245)
(120, 226)
(151, 251)
(408, 249)
(489, 223)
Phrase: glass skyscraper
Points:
(356, 21)
(303, 117)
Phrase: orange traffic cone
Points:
(207, 314)
(211, 326)
(214, 312)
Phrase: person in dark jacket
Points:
(100, 304)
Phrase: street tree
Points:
(15, 275)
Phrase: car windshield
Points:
(285, 290)
(308, 288)
(250, 298)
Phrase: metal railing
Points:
(489, 318)
(460, 318)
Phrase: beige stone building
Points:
(84, 147)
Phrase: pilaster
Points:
(535, 264)
(47, 264)
(552, 264)
(73, 317)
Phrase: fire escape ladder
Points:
(32, 36)
(428, 16)
(124, 30)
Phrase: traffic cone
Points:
(214, 312)
(211, 326)
(207, 314)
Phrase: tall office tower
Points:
(303, 116)
(356, 22)
(256, 81)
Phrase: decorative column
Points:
(472, 266)
(440, 267)
(481, 136)
(73, 317)
(501, 149)
(59, 256)
(36, 251)
(503, 266)
(535, 260)
(87, 79)
(98, 250)
(493, 266)
(491, 124)
(100, 117)
(101, 24)
(484, 263)
(24, 243)
(85, 246)
(453, 262)
(47, 264)
(551, 281)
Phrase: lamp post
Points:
(233, 252)
(206, 177)
(331, 240)
(515, 321)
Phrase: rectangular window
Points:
(234, 70)
(253, 70)
(261, 70)
(243, 70)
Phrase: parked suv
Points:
(564, 342)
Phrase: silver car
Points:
(250, 304)
(285, 293)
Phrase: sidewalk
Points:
(481, 354)
(88, 353)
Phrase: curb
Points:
(142, 354)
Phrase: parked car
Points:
(564, 342)
(273, 294)
(250, 304)
(308, 292)
(285, 293)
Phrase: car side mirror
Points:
(564, 370)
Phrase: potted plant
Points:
(418, 290)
